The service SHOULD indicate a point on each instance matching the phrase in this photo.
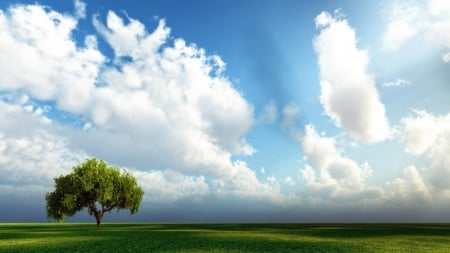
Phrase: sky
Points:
(231, 111)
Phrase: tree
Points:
(96, 186)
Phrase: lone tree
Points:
(96, 186)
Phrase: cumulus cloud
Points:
(429, 134)
(32, 152)
(169, 186)
(40, 42)
(328, 173)
(168, 95)
(411, 187)
(348, 92)
(160, 106)
(421, 132)
(244, 183)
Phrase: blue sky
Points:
(231, 110)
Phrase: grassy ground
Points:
(143, 237)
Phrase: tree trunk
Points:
(98, 217)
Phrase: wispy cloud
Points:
(416, 20)
(397, 83)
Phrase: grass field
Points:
(150, 237)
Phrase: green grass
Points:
(151, 237)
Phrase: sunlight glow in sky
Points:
(231, 110)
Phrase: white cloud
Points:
(40, 42)
(348, 92)
(289, 181)
(446, 57)
(329, 173)
(397, 83)
(438, 24)
(412, 187)
(80, 9)
(427, 21)
(430, 135)
(402, 27)
(169, 186)
(31, 149)
(161, 107)
(126, 39)
(168, 95)
(420, 132)
(439, 7)
(243, 183)
(324, 19)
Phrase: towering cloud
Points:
(158, 105)
(348, 92)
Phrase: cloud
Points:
(439, 23)
(80, 9)
(420, 132)
(411, 188)
(328, 173)
(40, 42)
(168, 95)
(160, 107)
(289, 181)
(427, 21)
(169, 186)
(429, 134)
(324, 19)
(402, 26)
(131, 39)
(269, 113)
(244, 183)
(397, 83)
(32, 152)
(348, 92)
(439, 7)
(446, 57)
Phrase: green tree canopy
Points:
(96, 186)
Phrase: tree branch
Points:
(92, 207)
(109, 208)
